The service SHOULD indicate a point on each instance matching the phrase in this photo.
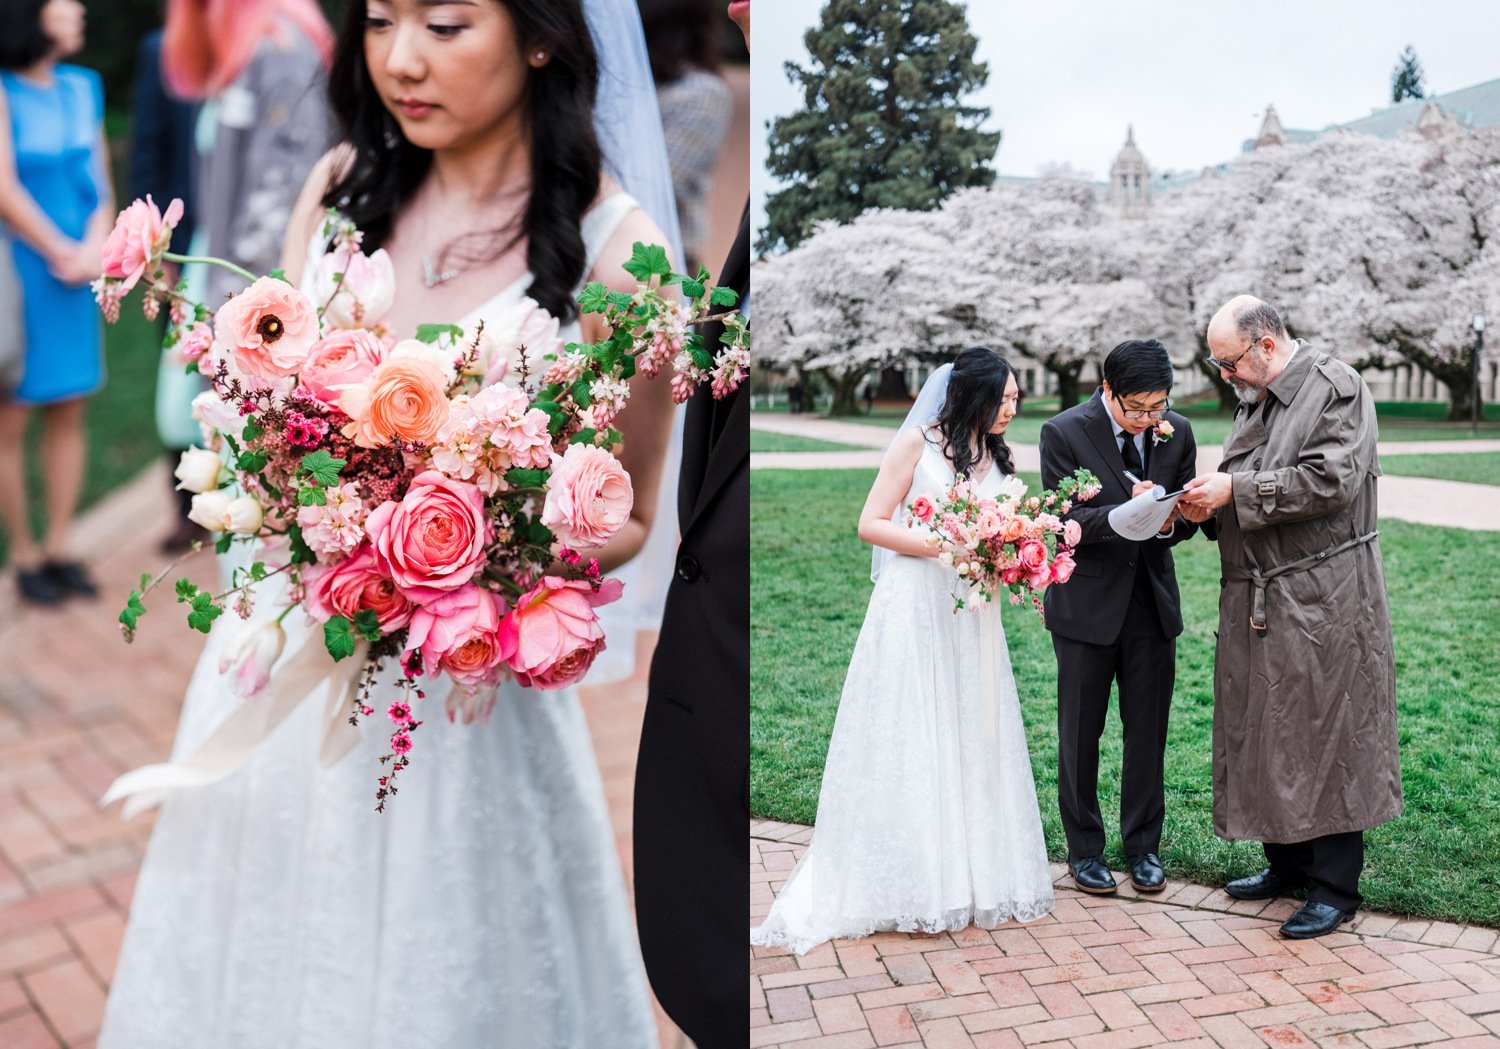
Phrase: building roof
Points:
(1475, 106)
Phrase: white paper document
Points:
(1143, 516)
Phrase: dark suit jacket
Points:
(692, 776)
(161, 141)
(1091, 606)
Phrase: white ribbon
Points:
(297, 678)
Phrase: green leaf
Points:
(517, 477)
(312, 497)
(252, 462)
(621, 299)
(278, 274)
(145, 582)
(258, 571)
(722, 296)
(302, 554)
(627, 366)
(647, 261)
(585, 436)
(557, 416)
(338, 638)
(430, 333)
(594, 297)
(323, 467)
(701, 357)
(693, 289)
(186, 589)
(224, 542)
(580, 391)
(133, 610)
(368, 624)
(703, 275)
(204, 612)
(253, 429)
(539, 534)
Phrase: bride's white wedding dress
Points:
(927, 818)
(485, 907)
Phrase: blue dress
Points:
(55, 130)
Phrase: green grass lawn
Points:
(765, 441)
(810, 585)
(1474, 467)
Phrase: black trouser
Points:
(1330, 865)
(1144, 662)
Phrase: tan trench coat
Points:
(1304, 714)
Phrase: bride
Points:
(927, 818)
(486, 906)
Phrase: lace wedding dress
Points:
(927, 818)
(485, 907)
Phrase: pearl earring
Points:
(541, 56)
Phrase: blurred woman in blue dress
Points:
(56, 203)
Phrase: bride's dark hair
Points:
(565, 154)
(975, 390)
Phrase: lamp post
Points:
(1478, 349)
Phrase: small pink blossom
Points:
(140, 236)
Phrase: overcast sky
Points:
(1192, 76)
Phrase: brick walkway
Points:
(78, 707)
(1188, 967)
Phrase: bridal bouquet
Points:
(414, 505)
(1011, 542)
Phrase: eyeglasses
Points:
(1144, 413)
(1230, 366)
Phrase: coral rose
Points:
(141, 234)
(588, 497)
(552, 636)
(1012, 529)
(922, 508)
(1062, 567)
(433, 540)
(1032, 555)
(267, 329)
(404, 398)
(459, 634)
(344, 359)
(356, 585)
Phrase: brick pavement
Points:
(1188, 967)
(78, 707)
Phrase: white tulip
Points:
(198, 470)
(211, 510)
(243, 516)
(248, 659)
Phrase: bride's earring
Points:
(538, 59)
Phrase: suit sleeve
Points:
(1187, 469)
(1058, 461)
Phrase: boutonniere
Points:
(1162, 432)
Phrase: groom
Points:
(1118, 618)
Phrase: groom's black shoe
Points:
(1146, 874)
(1314, 919)
(1266, 885)
(1091, 875)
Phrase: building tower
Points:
(1130, 178)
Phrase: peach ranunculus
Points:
(356, 585)
(433, 540)
(552, 636)
(459, 633)
(343, 359)
(588, 497)
(1012, 529)
(141, 234)
(404, 398)
(354, 290)
(267, 329)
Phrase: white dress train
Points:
(927, 818)
(485, 907)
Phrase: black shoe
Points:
(1146, 874)
(1266, 885)
(38, 587)
(70, 577)
(1314, 919)
(1091, 875)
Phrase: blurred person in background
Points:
(161, 165)
(682, 37)
(56, 201)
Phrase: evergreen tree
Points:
(884, 124)
(1406, 78)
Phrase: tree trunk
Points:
(892, 388)
(845, 385)
(1457, 375)
(1069, 386)
(1227, 399)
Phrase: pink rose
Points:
(433, 540)
(343, 359)
(922, 508)
(551, 637)
(588, 497)
(1039, 578)
(459, 634)
(268, 329)
(1011, 574)
(1032, 555)
(356, 585)
(136, 244)
(988, 525)
(1072, 532)
(363, 296)
(1062, 567)
(195, 343)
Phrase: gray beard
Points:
(1248, 394)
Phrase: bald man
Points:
(1304, 746)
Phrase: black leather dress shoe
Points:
(37, 587)
(1266, 885)
(1314, 919)
(1091, 875)
(71, 578)
(1146, 874)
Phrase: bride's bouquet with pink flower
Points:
(1011, 542)
(419, 510)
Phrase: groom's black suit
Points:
(692, 785)
(1117, 618)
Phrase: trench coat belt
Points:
(1259, 578)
